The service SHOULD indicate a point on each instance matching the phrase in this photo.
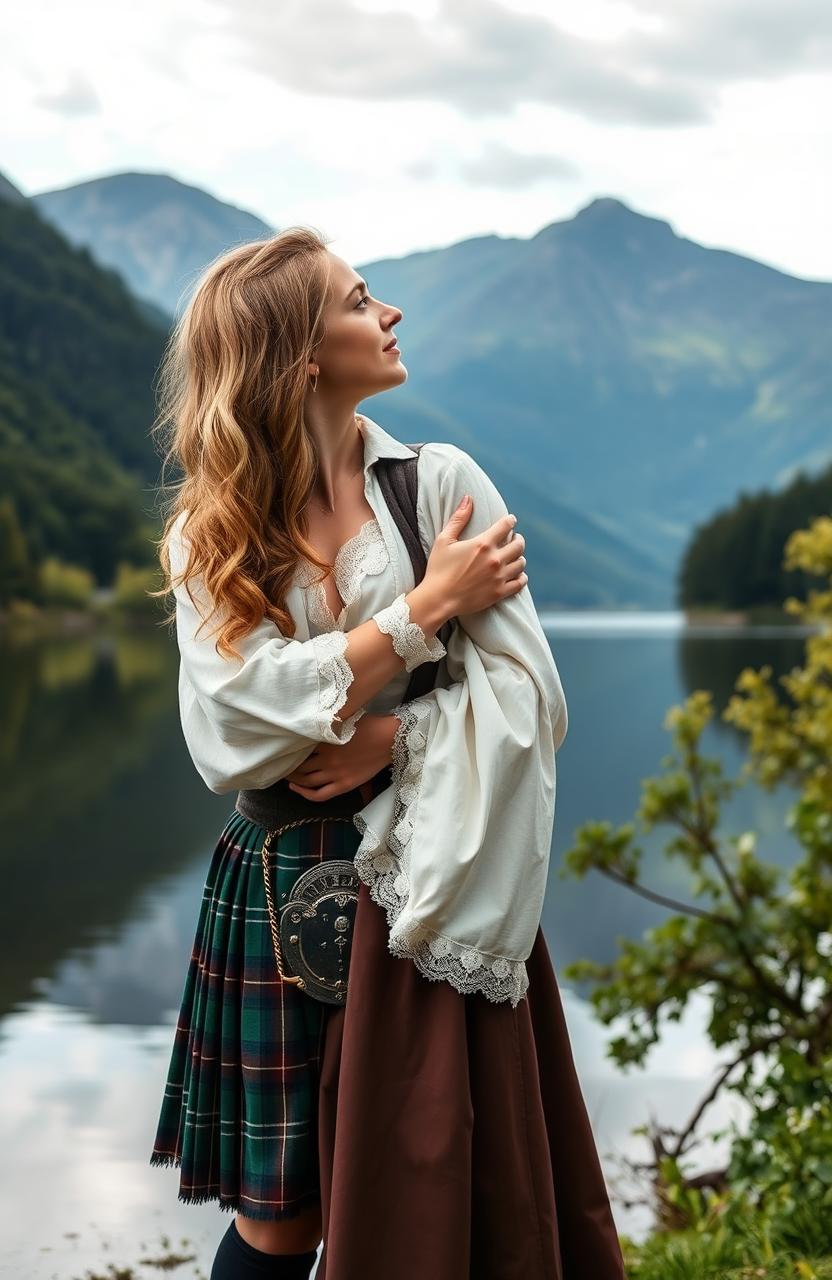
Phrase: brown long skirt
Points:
(453, 1136)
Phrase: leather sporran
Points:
(313, 933)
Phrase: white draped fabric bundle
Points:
(457, 849)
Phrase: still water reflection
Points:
(107, 834)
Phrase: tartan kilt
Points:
(239, 1113)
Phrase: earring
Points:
(314, 381)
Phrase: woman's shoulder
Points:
(178, 543)
(446, 473)
(445, 468)
(175, 531)
(437, 451)
(439, 457)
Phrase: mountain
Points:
(9, 192)
(618, 381)
(133, 219)
(617, 368)
(159, 233)
(78, 356)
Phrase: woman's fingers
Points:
(319, 793)
(514, 562)
(309, 768)
(513, 547)
(315, 779)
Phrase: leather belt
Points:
(278, 805)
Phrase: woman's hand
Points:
(333, 768)
(471, 574)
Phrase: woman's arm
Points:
(370, 652)
(510, 640)
(457, 849)
(250, 723)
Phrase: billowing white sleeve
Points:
(457, 848)
(247, 724)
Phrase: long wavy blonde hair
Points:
(231, 393)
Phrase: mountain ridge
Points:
(622, 373)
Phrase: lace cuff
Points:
(409, 640)
(334, 679)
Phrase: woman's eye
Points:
(365, 298)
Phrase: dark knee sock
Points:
(236, 1259)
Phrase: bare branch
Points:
(685, 908)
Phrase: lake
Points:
(107, 834)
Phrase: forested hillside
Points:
(734, 560)
(77, 361)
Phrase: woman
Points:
(433, 1125)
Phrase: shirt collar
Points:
(378, 443)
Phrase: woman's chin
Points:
(394, 378)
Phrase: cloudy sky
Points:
(396, 125)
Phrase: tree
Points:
(755, 939)
(15, 568)
(65, 584)
(130, 590)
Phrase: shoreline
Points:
(24, 619)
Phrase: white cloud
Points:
(75, 97)
(395, 125)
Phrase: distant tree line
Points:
(734, 560)
(49, 580)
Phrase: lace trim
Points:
(363, 555)
(409, 640)
(384, 869)
(335, 676)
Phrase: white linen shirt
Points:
(456, 849)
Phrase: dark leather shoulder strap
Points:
(399, 482)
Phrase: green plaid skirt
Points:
(240, 1106)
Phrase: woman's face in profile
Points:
(358, 328)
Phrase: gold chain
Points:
(264, 854)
